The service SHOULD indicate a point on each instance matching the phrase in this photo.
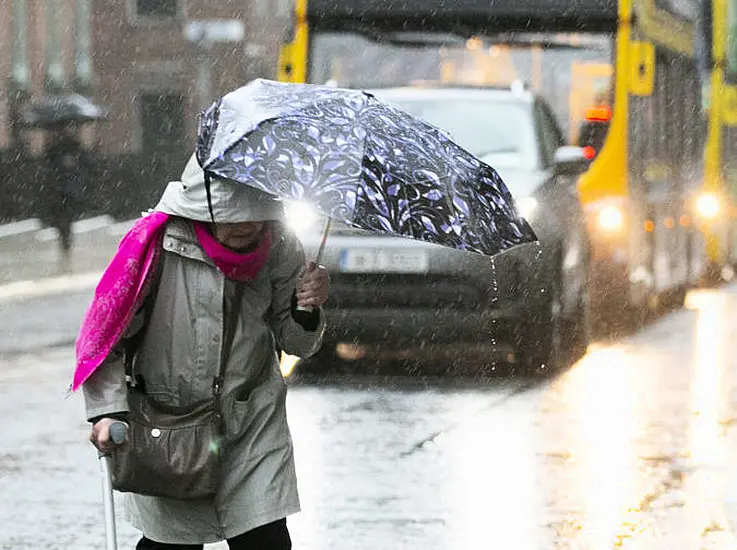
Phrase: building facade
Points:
(153, 64)
(157, 63)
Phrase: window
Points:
(285, 8)
(163, 132)
(499, 132)
(549, 134)
(729, 154)
(667, 127)
(732, 41)
(159, 9)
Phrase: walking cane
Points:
(118, 434)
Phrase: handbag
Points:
(171, 452)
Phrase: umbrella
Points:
(360, 161)
(60, 109)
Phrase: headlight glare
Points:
(611, 218)
(707, 205)
(527, 207)
(300, 216)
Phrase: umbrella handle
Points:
(325, 232)
(307, 310)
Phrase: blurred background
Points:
(151, 65)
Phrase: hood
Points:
(231, 202)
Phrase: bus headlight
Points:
(299, 216)
(527, 207)
(611, 218)
(707, 206)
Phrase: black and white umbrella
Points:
(360, 161)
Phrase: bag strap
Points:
(131, 345)
(231, 320)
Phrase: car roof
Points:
(455, 92)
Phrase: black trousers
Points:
(272, 536)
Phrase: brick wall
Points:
(147, 75)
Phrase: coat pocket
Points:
(261, 421)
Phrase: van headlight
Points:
(527, 207)
(300, 216)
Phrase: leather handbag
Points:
(169, 454)
(175, 453)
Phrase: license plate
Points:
(383, 261)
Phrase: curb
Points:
(20, 290)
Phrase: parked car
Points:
(399, 293)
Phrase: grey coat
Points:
(178, 358)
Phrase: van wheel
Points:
(580, 328)
(540, 342)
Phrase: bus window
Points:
(732, 42)
(567, 69)
(729, 155)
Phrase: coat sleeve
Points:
(287, 261)
(106, 392)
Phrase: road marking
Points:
(20, 227)
(120, 229)
(14, 371)
(82, 226)
(92, 224)
(51, 285)
(48, 234)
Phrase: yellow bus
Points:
(717, 205)
(640, 191)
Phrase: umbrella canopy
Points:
(360, 161)
(57, 110)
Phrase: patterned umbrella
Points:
(360, 161)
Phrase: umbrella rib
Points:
(409, 212)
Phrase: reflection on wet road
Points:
(631, 448)
(634, 447)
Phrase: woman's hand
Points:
(100, 436)
(313, 286)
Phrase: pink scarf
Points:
(124, 285)
(238, 266)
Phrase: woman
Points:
(197, 270)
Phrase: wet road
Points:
(633, 447)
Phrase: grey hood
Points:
(231, 202)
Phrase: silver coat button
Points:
(155, 432)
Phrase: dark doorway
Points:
(163, 133)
